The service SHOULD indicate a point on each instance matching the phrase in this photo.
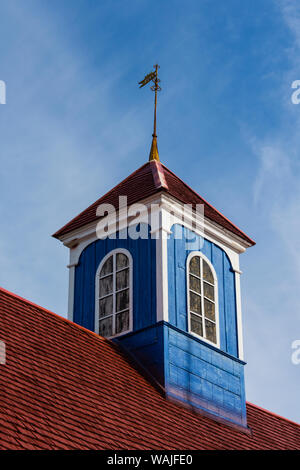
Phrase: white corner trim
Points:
(71, 291)
(239, 314)
(162, 286)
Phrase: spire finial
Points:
(153, 76)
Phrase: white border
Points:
(108, 255)
(71, 293)
(162, 286)
(201, 255)
(239, 314)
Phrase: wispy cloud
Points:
(58, 124)
(291, 15)
(274, 172)
(276, 187)
(275, 304)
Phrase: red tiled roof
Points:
(149, 179)
(64, 387)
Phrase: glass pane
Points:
(195, 302)
(105, 327)
(106, 285)
(209, 309)
(207, 274)
(195, 265)
(107, 267)
(209, 291)
(195, 284)
(122, 261)
(122, 300)
(122, 322)
(196, 325)
(122, 279)
(106, 306)
(210, 331)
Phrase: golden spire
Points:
(154, 150)
(154, 77)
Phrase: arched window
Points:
(202, 298)
(114, 294)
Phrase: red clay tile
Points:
(64, 387)
(150, 179)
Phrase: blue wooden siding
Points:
(179, 247)
(191, 371)
(147, 345)
(143, 253)
(204, 377)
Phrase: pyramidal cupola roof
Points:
(151, 178)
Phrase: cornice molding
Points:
(168, 212)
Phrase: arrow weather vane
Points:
(153, 76)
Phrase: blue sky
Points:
(75, 124)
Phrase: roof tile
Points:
(64, 387)
(150, 179)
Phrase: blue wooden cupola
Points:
(165, 284)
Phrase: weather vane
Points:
(153, 76)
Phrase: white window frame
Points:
(114, 292)
(216, 293)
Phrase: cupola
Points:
(155, 267)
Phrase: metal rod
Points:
(155, 99)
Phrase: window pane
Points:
(195, 265)
(122, 261)
(195, 302)
(195, 284)
(196, 325)
(210, 331)
(209, 309)
(105, 327)
(122, 300)
(122, 322)
(106, 285)
(106, 306)
(107, 267)
(122, 279)
(209, 291)
(207, 274)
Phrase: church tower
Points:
(154, 267)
